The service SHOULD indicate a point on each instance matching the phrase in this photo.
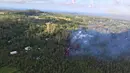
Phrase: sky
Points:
(76, 1)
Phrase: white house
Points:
(13, 52)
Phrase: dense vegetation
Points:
(46, 35)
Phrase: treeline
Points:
(18, 32)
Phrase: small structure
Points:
(27, 48)
(13, 52)
(2, 12)
(39, 48)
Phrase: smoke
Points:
(91, 43)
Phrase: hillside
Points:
(40, 39)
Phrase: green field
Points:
(46, 34)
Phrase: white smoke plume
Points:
(100, 45)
